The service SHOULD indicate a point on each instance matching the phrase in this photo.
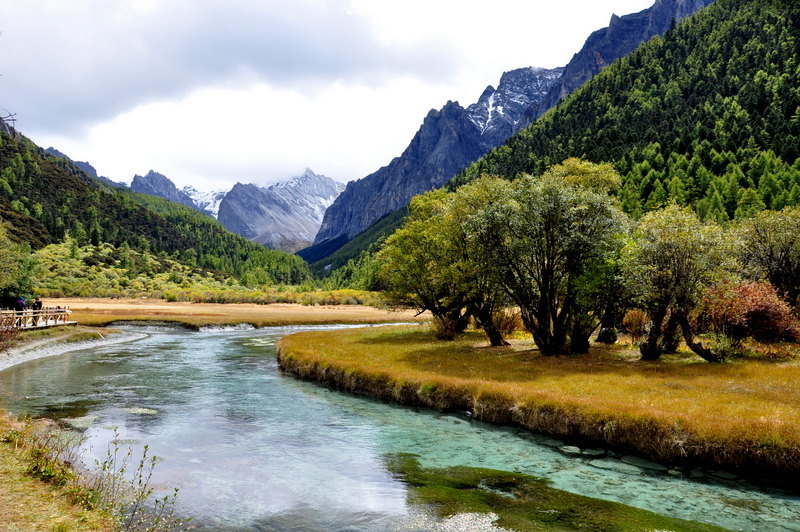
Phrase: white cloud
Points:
(213, 91)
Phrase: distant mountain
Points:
(283, 216)
(160, 185)
(86, 167)
(448, 140)
(622, 36)
(45, 198)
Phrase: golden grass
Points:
(744, 414)
(29, 505)
(99, 312)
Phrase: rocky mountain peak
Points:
(157, 184)
(285, 215)
(604, 46)
(448, 140)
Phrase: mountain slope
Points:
(283, 216)
(44, 198)
(86, 167)
(373, 197)
(447, 141)
(698, 117)
(622, 36)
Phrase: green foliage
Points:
(16, 274)
(771, 248)
(546, 245)
(696, 117)
(70, 270)
(670, 260)
(435, 263)
(419, 265)
(541, 239)
(47, 198)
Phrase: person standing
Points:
(20, 307)
(37, 310)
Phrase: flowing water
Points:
(252, 449)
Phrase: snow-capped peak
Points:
(207, 201)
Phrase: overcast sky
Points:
(210, 92)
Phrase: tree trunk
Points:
(485, 316)
(608, 325)
(672, 334)
(651, 348)
(582, 329)
(688, 335)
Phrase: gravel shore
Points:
(50, 347)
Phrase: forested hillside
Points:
(708, 115)
(45, 198)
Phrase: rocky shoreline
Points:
(55, 346)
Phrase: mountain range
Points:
(283, 216)
(453, 137)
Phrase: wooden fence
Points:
(32, 319)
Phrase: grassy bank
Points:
(28, 504)
(743, 416)
(101, 312)
(523, 502)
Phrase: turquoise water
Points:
(252, 449)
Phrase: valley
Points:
(596, 267)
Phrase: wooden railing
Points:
(30, 319)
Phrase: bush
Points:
(508, 321)
(752, 310)
(635, 322)
(444, 327)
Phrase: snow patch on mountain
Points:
(207, 201)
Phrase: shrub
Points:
(750, 310)
(444, 327)
(508, 321)
(635, 322)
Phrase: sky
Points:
(211, 92)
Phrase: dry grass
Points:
(744, 414)
(28, 504)
(98, 312)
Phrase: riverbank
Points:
(28, 504)
(102, 312)
(743, 417)
(60, 340)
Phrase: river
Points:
(252, 449)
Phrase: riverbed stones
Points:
(593, 452)
(550, 442)
(570, 450)
(642, 463)
(615, 465)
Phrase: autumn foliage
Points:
(752, 309)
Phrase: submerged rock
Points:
(643, 463)
(615, 465)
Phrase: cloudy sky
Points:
(210, 92)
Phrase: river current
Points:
(252, 449)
